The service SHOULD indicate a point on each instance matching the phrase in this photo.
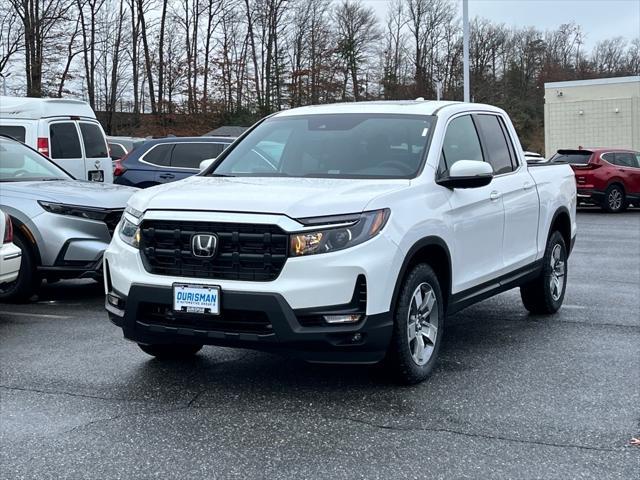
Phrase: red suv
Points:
(609, 177)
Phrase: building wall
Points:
(592, 113)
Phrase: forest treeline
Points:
(242, 59)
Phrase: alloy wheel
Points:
(557, 278)
(615, 199)
(422, 319)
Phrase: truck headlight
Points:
(129, 232)
(331, 239)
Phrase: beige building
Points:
(592, 113)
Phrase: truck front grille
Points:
(250, 252)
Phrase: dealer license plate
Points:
(196, 299)
(96, 175)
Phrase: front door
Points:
(476, 215)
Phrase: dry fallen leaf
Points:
(635, 441)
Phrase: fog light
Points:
(115, 301)
(342, 318)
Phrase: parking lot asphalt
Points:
(514, 395)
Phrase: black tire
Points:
(614, 199)
(28, 281)
(170, 351)
(537, 295)
(400, 355)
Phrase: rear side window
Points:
(189, 155)
(609, 157)
(65, 142)
(626, 159)
(460, 143)
(94, 141)
(495, 143)
(159, 155)
(14, 131)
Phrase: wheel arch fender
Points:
(561, 221)
(21, 228)
(434, 251)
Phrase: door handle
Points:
(527, 185)
(167, 176)
(495, 195)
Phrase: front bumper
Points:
(267, 323)
(10, 259)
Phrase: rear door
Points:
(517, 189)
(628, 167)
(65, 148)
(186, 158)
(97, 162)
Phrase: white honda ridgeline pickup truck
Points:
(343, 233)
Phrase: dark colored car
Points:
(166, 160)
(608, 177)
(121, 146)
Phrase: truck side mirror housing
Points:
(204, 164)
(467, 174)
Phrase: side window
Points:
(495, 142)
(65, 142)
(609, 157)
(637, 155)
(14, 131)
(625, 159)
(158, 155)
(460, 143)
(189, 155)
(95, 145)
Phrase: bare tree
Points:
(40, 18)
(357, 31)
(11, 37)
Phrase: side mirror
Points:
(467, 174)
(204, 164)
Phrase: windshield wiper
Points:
(219, 175)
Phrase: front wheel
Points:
(28, 281)
(418, 327)
(170, 351)
(545, 294)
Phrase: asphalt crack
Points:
(473, 435)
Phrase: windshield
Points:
(332, 146)
(21, 164)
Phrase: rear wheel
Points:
(614, 199)
(418, 327)
(28, 281)
(545, 294)
(170, 351)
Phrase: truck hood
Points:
(294, 197)
(72, 192)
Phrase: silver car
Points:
(61, 224)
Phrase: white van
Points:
(64, 130)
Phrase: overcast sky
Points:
(600, 19)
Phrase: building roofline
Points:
(595, 81)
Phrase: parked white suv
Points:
(343, 233)
(65, 130)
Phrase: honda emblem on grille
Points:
(204, 245)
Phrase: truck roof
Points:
(412, 107)
(37, 108)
